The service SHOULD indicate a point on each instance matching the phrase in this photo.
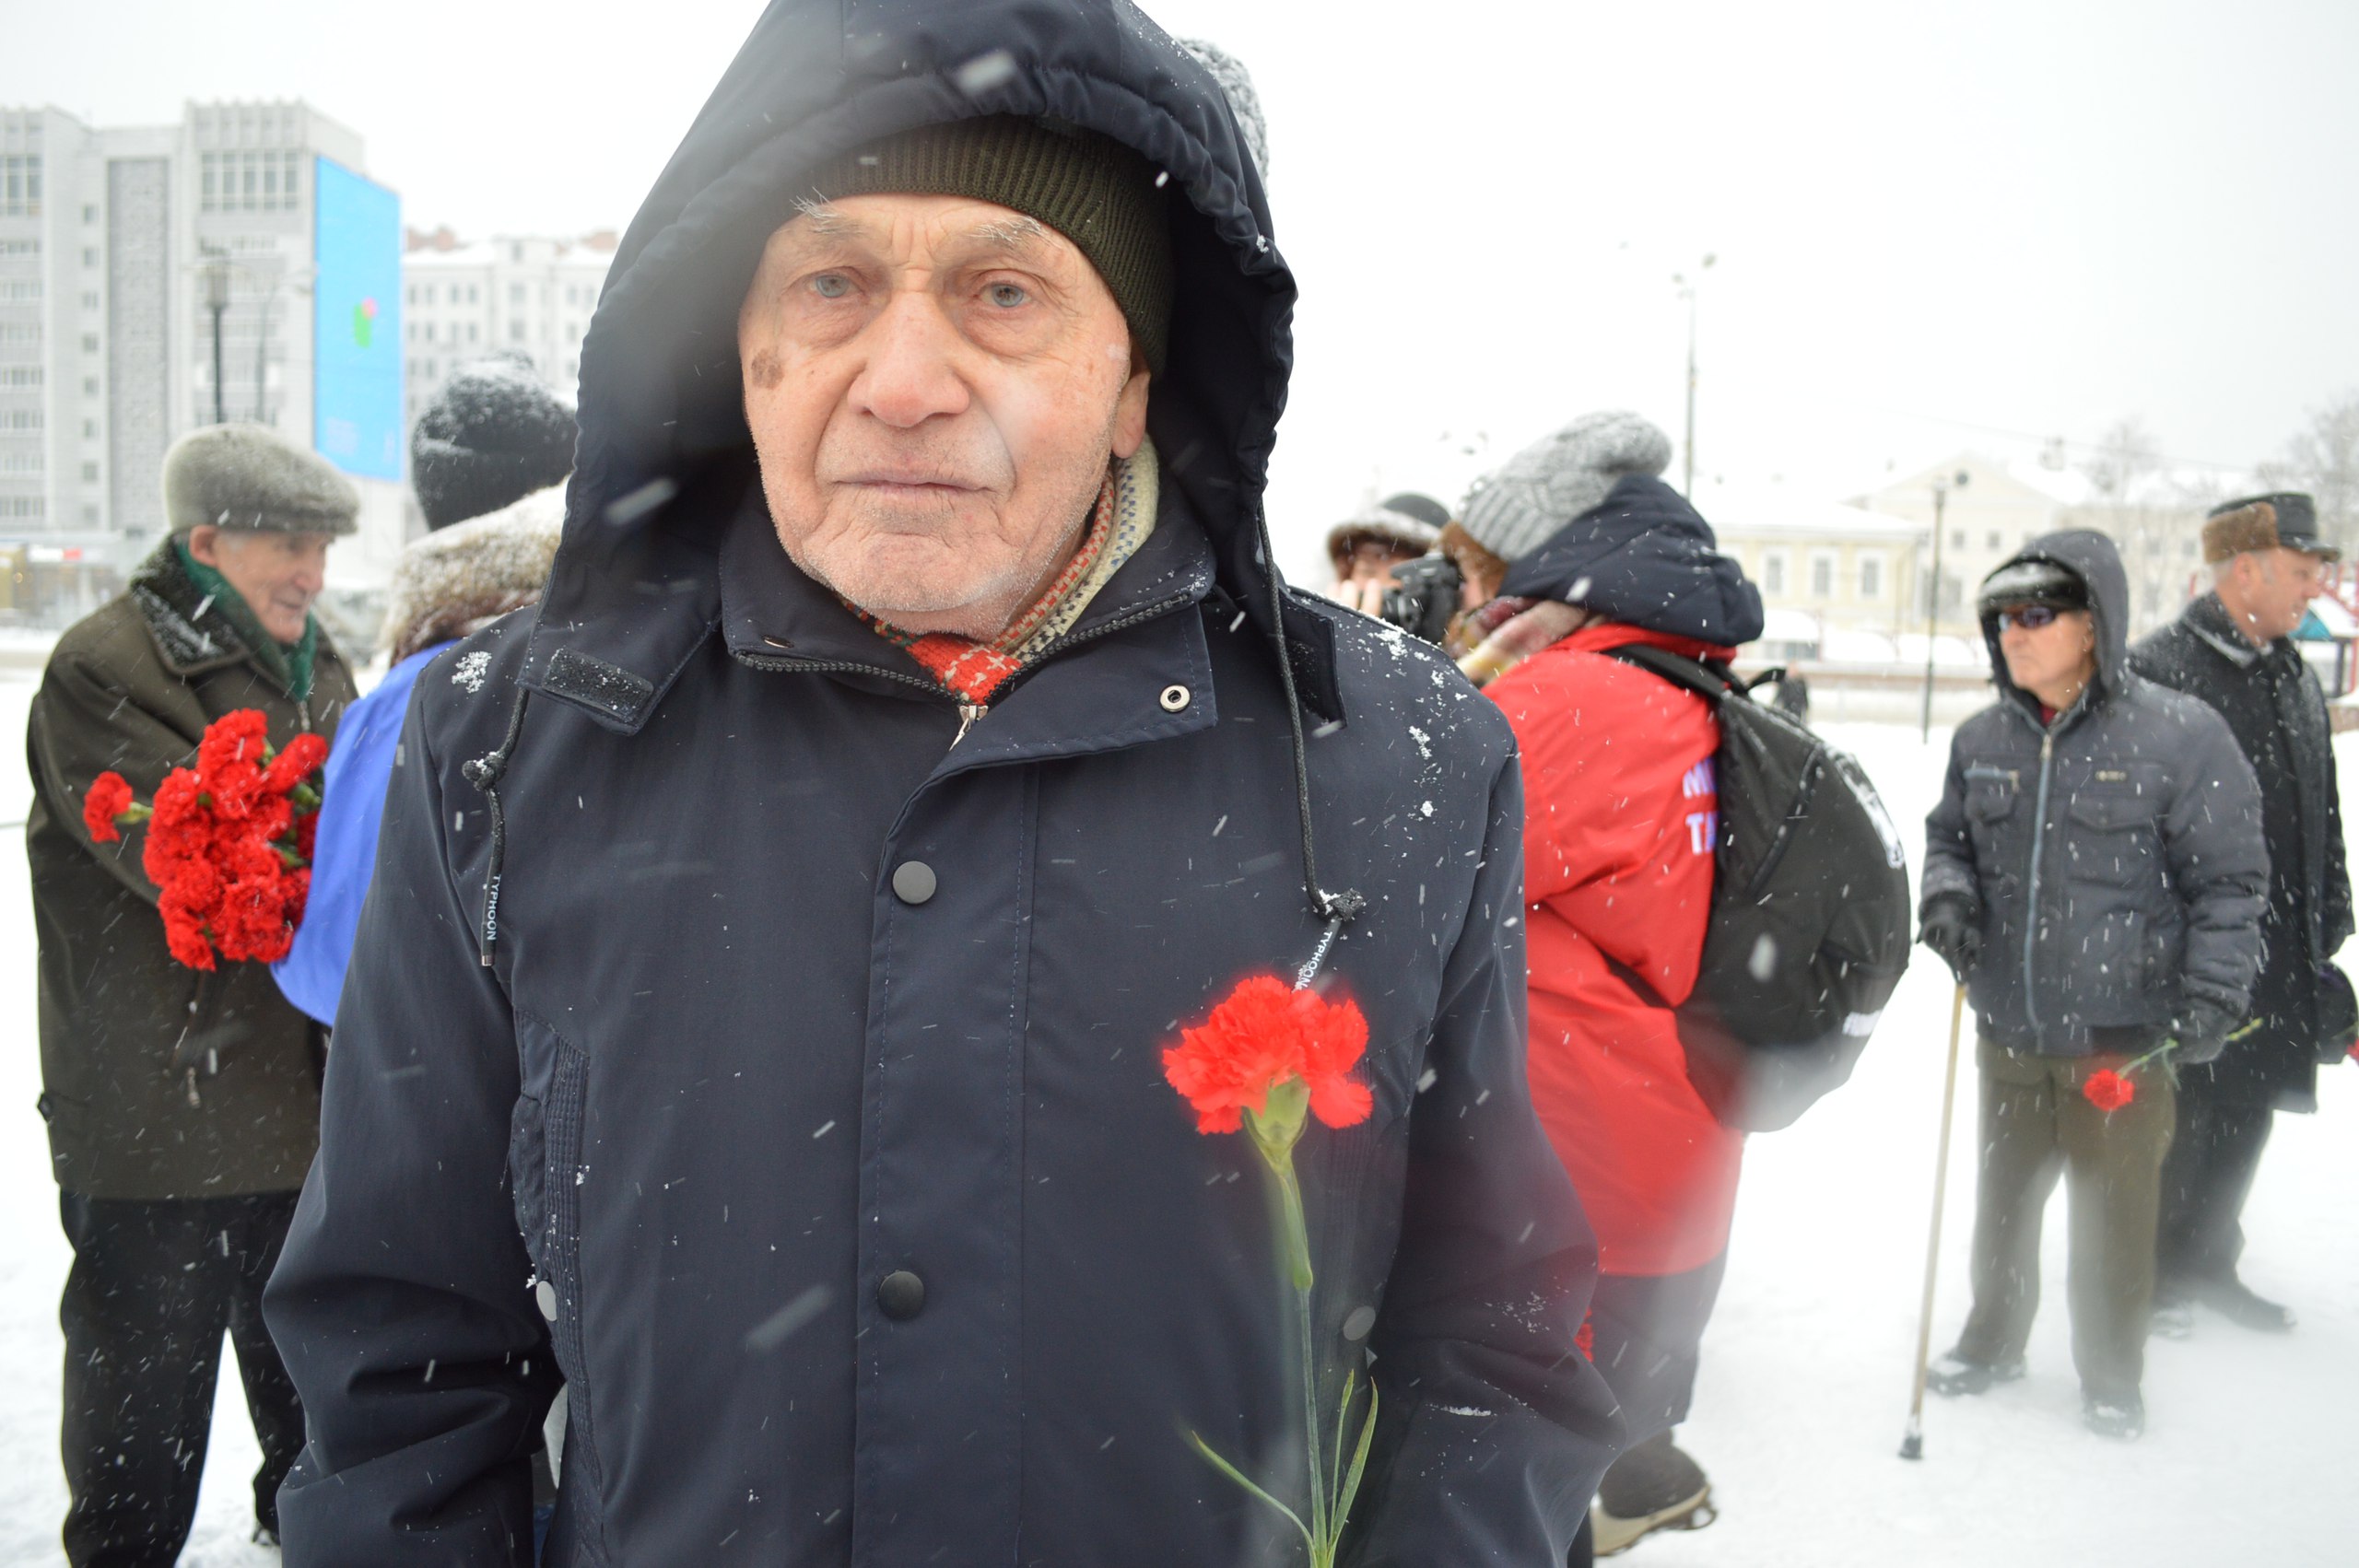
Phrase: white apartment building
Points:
(530, 294)
(115, 243)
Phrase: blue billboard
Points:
(356, 323)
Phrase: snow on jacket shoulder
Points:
(1618, 856)
(793, 990)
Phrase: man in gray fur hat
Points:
(182, 1106)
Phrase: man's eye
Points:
(831, 286)
(1006, 296)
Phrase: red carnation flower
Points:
(1260, 1038)
(2109, 1090)
(108, 797)
(301, 758)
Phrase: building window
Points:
(516, 295)
(515, 332)
(90, 514)
(20, 186)
(89, 429)
(1773, 573)
(1994, 540)
(20, 291)
(89, 473)
(89, 343)
(29, 507)
(90, 212)
(89, 386)
(1957, 538)
(473, 331)
(1822, 576)
(21, 463)
(1871, 577)
(20, 247)
(21, 377)
(89, 300)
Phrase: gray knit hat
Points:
(1243, 100)
(1544, 486)
(251, 477)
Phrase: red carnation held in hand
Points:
(229, 844)
(108, 797)
(1260, 1037)
(2109, 1090)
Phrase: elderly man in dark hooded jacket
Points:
(2233, 650)
(758, 1002)
(2093, 875)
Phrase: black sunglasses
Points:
(2031, 617)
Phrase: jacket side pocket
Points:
(555, 1212)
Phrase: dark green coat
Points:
(157, 1082)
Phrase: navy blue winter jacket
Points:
(656, 1057)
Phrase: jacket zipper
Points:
(2031, 901)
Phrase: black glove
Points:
(1952, 927)
(2338, 1015)
(2202, 1030)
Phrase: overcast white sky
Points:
(2035, 216)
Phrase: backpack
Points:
(1810, 924)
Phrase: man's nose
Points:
(911, 374)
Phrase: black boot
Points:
(2233, 1300)
(1955, 1373)
(2121, 1416)
(1653, 1487)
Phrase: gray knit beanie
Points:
(252, 478)
(1550, 483)
(1243, 100)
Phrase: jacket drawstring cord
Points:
(1335, 909)
(485, 773)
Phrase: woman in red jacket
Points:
(1572, 549)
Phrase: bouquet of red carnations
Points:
(229, 843)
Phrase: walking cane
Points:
(1912, 1446)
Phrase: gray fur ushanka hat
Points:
(249, 477)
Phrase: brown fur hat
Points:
(2263, 522)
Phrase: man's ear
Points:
(1130, 409)
(205, 545)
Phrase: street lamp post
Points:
(216, 300)
(1688, 292)
(1942, 489)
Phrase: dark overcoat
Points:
(157, 1082)
(760, 984)
(2275, 710)
(2115, 856)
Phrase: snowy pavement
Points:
(2248, 1458)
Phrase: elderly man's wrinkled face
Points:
(935, 386)
(2268, 593)
(279, 574)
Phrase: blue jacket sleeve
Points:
(424, 1368)
(1494, 1428)
(344, 855)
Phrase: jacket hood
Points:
(2090, 556)
(661, 412)
(1646, 557)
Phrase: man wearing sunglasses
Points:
(2233, 650)
(2095, 877)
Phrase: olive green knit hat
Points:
(1090, 188)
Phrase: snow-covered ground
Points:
(2248, 1456)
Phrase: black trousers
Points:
(1645, 1335)
(2206, 1178)
(153, 1288)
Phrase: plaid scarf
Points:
(975, 671)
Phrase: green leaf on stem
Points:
(1232, 1473)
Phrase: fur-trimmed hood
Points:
(454, 582)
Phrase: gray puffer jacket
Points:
(2116, 855)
